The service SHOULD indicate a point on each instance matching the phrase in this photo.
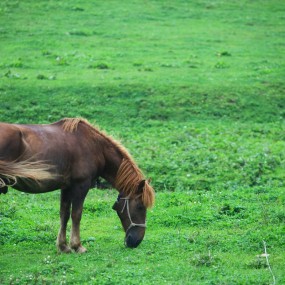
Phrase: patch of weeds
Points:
(190, 238)
(77, 9)
(228, 210)
(9, 211)
(203, 259)
(137, 64)
(167, 221)
(43, 227)
(258, 263)
(44, 77)
(142, 68)
(16, 64)
(46, 53)
(26, 279)
(99, 66)
(168, 65)
(41, 77)
(97, 208)
(221, 65)
(61, 61)
(171, 201)
(79, 33)
(192, 63)
(11, 75)
(224, 53)
(280, 216)
(48, 260)
(5, 231)
(210, 6)
(260, 190)
(89, 240)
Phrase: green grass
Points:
(195, 90)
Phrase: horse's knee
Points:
(76, 215)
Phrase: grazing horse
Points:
(70, 155)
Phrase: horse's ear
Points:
(141, 186)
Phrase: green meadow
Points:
(195, 90)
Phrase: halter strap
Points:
(126, 205)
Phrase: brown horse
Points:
(70, 155)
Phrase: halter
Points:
(126, 205)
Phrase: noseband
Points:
(126, 206)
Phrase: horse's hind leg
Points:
(65, 204)
(78, 197)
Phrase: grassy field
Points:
(195, 90)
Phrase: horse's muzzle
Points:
(132, 241)
(134, 237)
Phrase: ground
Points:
(195, 91)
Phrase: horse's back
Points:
(44, 140)
(72, 149)
(28, 141)
(39, 149)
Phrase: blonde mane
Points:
(129, 175)
(128, 178)
(70, 124)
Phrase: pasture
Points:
(195, 90)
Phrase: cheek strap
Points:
(132, 224)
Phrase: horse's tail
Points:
(11, 170)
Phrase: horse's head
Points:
(132, 213)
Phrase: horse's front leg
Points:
(65, 205)
(78, 197)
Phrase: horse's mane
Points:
(129, 175)
(128, 178)
(70, 124)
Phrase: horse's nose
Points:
(132, 241)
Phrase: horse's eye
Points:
(140, 207)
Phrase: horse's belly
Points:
(31, 186)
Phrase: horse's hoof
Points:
(64, 249)
(81, 249)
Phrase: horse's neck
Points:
(113, 160)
